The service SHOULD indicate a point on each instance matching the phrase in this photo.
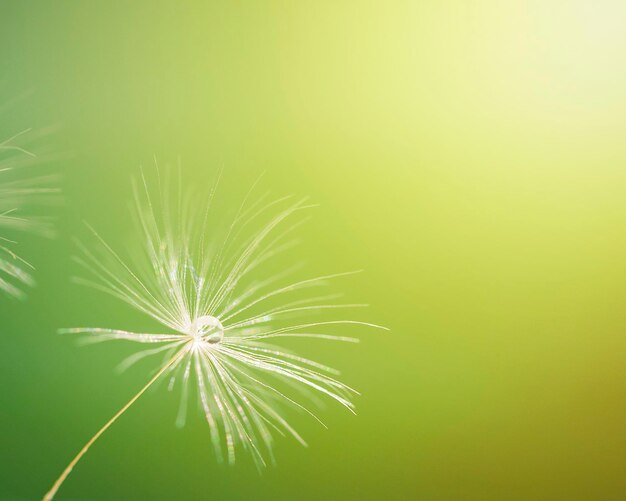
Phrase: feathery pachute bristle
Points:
(19, 190)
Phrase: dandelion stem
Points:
(51, 493)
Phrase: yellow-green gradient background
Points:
(471, 156)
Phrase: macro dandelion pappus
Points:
(221, 315)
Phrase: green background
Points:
(469, 155)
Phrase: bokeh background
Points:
(469, 155)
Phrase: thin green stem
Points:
(55, 487)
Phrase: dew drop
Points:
(208, 328)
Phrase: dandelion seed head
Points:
(222, 315)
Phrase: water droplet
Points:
(208, 328)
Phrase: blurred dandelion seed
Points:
(17, 192)
(218, 319)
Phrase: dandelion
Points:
(17, 192)
(220, 316)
